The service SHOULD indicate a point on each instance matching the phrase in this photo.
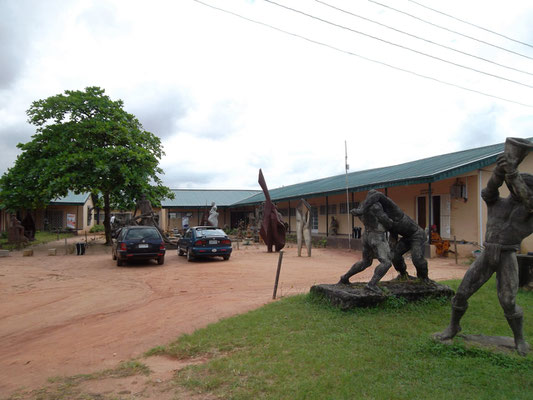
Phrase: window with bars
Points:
(332, 209)
(342, 207)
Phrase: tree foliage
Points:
(85, 142)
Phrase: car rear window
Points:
(143, 233)
(210, 232)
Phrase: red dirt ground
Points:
(67, 314)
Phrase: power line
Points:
(450, 30)
(423, 39)
(362, 57)
(399, 45)
(471, 24)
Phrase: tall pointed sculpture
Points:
(303, 226)
(273, 229)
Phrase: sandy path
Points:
(68, 314)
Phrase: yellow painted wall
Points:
(525, 166)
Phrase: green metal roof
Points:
(71, 199)
(426, 170)
(201, 198)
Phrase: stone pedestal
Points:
(4, 253)
(504, 343)
(52, 252)
(27, 252)
(356, 295)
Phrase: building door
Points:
(314, 219)
(55, 220)
(421, 211)
(445, 216)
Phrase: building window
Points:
(332, 209)
(342, 207)
(314, 220)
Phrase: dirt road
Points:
(68, 314)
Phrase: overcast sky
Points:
(228, 96)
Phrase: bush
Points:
(97, 228)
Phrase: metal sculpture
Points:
(273, 229)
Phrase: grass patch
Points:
(303, 348)
(67, 388)
(40, 238)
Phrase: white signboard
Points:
(71, 221)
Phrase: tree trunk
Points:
(107, 219)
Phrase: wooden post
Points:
(66, 247)
(455, 248)
(277, 275)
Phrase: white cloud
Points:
(228, 96)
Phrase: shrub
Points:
(97, 228)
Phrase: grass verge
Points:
(40, 238)
(302, 348)
(68, 388)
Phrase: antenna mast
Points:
(346, 168)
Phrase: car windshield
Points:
(210, 232)
(143, 233)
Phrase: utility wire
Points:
(399, 45)
(362, 57)
(471, 24)
(450, 30)
(421, 38)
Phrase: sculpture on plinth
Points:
(213, 215)
(303, 226)
(509, 221)
(375, 245)
(147, 216)
(15, 232)
(272, 229)
(413, 237)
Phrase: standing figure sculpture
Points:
(375, 245)
(15, 233)
(273, 229)
(509, 221)
(334, 226)
(413, 237)
(213, 215)
(303, 226)
(147, 212)
(29, 227)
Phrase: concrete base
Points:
(27, 252)
(52, 252)
(4, 253)
(356, 295)
(490, 342)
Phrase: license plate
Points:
(143, 246)
(213, 242)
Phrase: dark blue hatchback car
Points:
(138, 243)
(205, 241)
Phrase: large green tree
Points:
(85, 142)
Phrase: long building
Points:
(443, 190)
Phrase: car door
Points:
(185, 242)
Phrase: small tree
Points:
(85, 142)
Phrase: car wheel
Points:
(161, 260)
(190, 257)
(120, 263)
(226, 257)
(181, 252)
